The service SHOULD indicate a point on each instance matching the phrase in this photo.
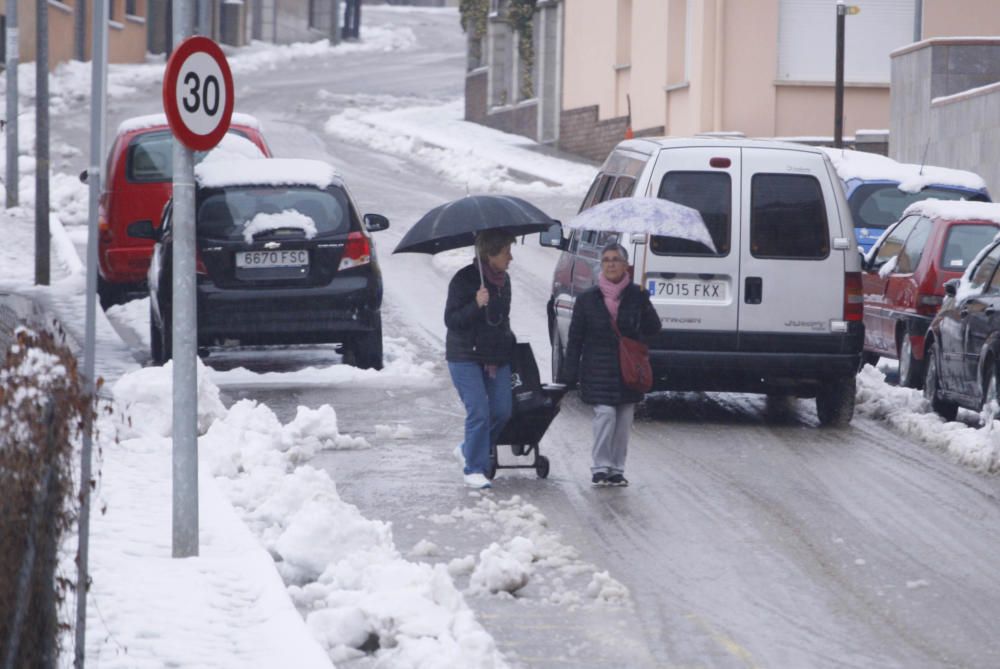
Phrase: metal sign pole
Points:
(98, 73)
(12, 45)
(185, 334)
(42, 232)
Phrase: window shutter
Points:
(807, 39)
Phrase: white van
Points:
(775, 309)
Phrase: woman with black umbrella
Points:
(479, 348)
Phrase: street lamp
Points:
(838, 95)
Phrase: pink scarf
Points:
(612, 293)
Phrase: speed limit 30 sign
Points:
(198, 93)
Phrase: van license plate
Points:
(284, 258)
(693, 290)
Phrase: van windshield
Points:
(225, 214)
(711, 194)
(880, 205)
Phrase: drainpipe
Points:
(918, 20)
(720, 10)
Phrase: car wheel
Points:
(109, 293)
(835, 402)
(367, 348)
(991, 401)
(932, 378)
(869, 358)
(557, 354)
(909, 367)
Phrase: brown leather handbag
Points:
(633, 359)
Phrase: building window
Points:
(132, 8)
(807, 34)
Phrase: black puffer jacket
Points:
(592, 350)
(477, 334)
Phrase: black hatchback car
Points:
(962, 348)
(282, 258)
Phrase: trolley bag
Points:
(526, 384)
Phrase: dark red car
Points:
(138, 183)
(905, 273)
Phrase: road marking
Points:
(727, 643)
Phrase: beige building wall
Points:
(726, 79)
(126, 34)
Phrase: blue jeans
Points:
(487, 408)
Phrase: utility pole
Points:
(184, 324)
(42, 146)
(80, 29)
(12, 45)
(918, 20)
(95, 177)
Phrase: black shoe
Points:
(599, 479)
(617, 480)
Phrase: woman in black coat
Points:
(479, 348)
(592, 359)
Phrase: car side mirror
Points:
(143, 230)
(951, 287)
(83, 176)
(376, 222)
(552, 237)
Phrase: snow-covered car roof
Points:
(911, 178)
(158, 120)
(233, 147)
(265, 172)
(956, 210)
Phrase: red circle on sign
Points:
(191, 139)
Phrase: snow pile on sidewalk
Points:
(480, 158)
(529, 559)
(908, 412)
(360, 595)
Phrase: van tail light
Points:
(104, 230)
(199, 265)
(854, 299)
(357, 251)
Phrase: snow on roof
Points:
(911, 178)
(233, 147)
(265, 172)
(157, 120)
(956, 210)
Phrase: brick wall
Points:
(475, 95)
(582, 133)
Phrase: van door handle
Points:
(753, 290)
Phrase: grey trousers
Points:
(611, 429)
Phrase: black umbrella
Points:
(455, 224)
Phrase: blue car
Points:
(879, 189)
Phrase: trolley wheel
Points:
(517, 449)
(542, 467)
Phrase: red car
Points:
(138, 184)
(905, 273)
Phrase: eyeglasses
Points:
(611, 261)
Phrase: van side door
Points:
(695, 289)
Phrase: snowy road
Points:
(749, 537)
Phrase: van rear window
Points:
(788, 217)
(150, 157)
(711, 194)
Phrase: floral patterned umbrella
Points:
(645, 215)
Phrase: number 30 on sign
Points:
(198, 93)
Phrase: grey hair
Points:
(613, 245)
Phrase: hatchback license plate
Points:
(283, 258)
(689, 289)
